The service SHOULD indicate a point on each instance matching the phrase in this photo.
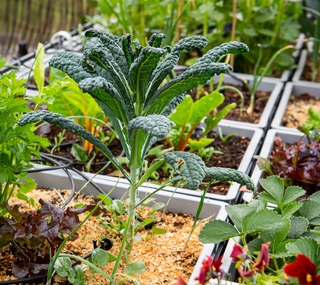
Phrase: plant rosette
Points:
(273, 237)
(288, 138)
(177, 203)
(292, 111)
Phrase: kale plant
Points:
(125, 79)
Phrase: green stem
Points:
(205, 21)
(92, 266)
(131, 210)
(236, 90)
(278, 22)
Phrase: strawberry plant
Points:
(125, 79)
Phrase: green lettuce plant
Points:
(125, 80)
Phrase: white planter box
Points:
(179, 203)
(245, 166)
(268, 84)
(296, 89)
(287, 137)
(302, 61)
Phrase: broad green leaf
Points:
(28, 187)
(157, 206)
(135, 268)
(199, 144)
(159, 231)
(315, 221)
(291, 208)
(267, 32)
(63, 266)
(204, 106)
(292, 193)
(192, 170)
(79, 275)
(262, 220)
(217, 231)
(267, 197)
(310, 209)
(312, 235)
(276, 235)
(56, 75)
(255, 245)
(39, 67)
(183, 111)
(3, 61)
(299, 225)
(282, 251)
(70, 126)
(118, 206)
(316, 230)
(306, 246)
(315, 197)
(99, 257)
(237, 213)
(212, 121)
(274, 186)
(79, 153)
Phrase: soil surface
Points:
(297, 109)
(231, 96)
(308, 70)
(164, 260)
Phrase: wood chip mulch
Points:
(163, 254)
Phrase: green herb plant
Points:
(224, 139)
(292, 227)
(119, 210)
(17, 143)
(124, 81)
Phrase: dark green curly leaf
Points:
(141, 127)
(97, 53)
(184, 82)
(142, 68)
(101, 89)
(70, 64)
(193, 169)
(188, 43)
(114, 46)
(69, 125)
(127, 49)
(228, 174)
(156, 40)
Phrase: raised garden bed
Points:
(288, 137)
(179, 203)
(297, 98)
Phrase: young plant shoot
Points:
(125, 82)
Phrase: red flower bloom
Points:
(263, 259)
(304, 269)
(209, 270)
(239, 254)
(181, 281)
(247, 274)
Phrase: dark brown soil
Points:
(233, 150)
(308, 70)
(231, 96)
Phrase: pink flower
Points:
(263, 259)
